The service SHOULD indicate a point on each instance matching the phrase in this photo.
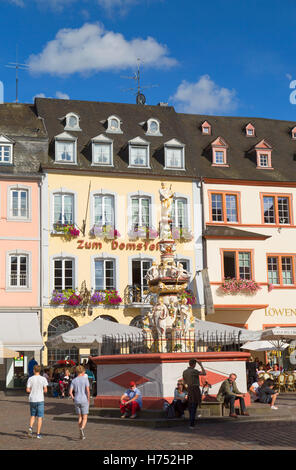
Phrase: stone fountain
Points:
(169, 326)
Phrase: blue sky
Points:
(224, 57)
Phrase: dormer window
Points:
(206, 128)
(65, 148)
(6, 150)
(174, 155)
(153, 127)
(72, 122)
(219, 152)
(263, 152)
(139, 153)
(250, 130)
(114, 123)
(102, 151)
(293, 133)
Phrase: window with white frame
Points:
(263, 160)
(140, 211)
(105, 274)
(139, 155)
(174, 155)
(102, 154)
(179, 212)
(63, 210)
(19, 203)
(72, 122)
(114, 123)
(18, 271)
(5, 153)
(104, 209)
(65, 151)
(219, 157)
(64, 274)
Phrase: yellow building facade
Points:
(90, 261)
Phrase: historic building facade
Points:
(22, 144)
(248, 194)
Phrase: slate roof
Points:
(241, 159)
(20, 123)
(92, 117)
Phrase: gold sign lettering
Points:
(280, 312)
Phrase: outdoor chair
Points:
(281, 382)
(290, 383)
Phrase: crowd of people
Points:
(75, 382)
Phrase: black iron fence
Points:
(188, 342)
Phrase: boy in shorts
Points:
(81, 397)
(36, 387)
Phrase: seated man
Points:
(267, 394)
(131, 401)
(229, 393)
(255, 386)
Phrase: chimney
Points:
(163, 104)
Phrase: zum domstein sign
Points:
(115, 245)
(280, 312)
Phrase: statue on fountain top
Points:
(166, 198)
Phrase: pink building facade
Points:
(22, 141)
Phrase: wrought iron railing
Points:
(137, 294)
(188, 342)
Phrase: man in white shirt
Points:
(36, 387)
(254, 388)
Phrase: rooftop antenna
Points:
(17, 66)
(140, 97)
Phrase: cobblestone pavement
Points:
(277, 433)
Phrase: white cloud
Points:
(204, 97)
(92, 49)
(62, 96)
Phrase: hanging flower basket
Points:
(236, 286)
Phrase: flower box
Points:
(181, 234)
(149, 233)
(105, 231)
(235, 286)
(105, 298)
(67, 229)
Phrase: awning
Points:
(20, 331)
(6, 353)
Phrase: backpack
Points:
(169, 409)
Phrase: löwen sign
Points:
(115, 245)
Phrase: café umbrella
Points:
(262, 346)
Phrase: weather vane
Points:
(140, 97)
(17, 66)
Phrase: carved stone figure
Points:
(160, 314)
(185, 315)
(152, 272)
(181, 271)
